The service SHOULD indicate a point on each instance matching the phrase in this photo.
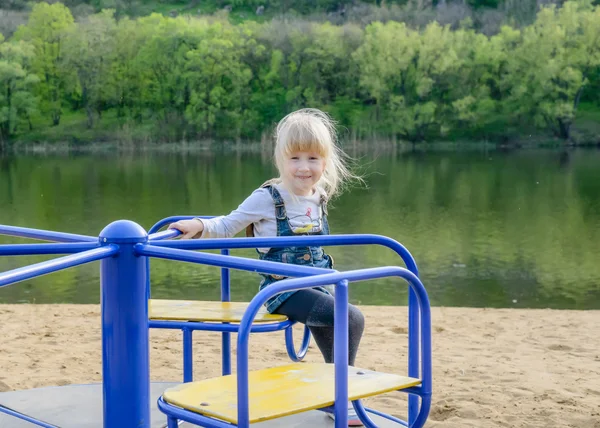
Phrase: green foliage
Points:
(46, 30)
(17, 102)
(192, 78)
(551, 65)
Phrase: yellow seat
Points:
(192, 310)
(281, 391)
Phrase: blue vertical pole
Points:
(188, 355)
(124, 313)
(340, 354)
(414, 352)
(225, 337)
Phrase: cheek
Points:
(321, 167)
(289, 168)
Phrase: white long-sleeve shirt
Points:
(304, 214)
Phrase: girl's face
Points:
(303, 170)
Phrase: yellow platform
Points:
(193, 310)
(281, 391)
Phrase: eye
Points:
(294, 158)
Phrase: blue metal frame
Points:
(332, 240)
(124, 248)
(341, 280)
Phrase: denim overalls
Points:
(311, 256)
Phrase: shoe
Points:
(353, 419)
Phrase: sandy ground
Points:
(492, 367)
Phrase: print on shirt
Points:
(309, 224)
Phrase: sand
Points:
(492, 367)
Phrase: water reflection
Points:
(487, 229)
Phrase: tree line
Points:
(173, 78)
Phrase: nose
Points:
(303, 166)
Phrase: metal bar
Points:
(362, 414)
(225, 284)
(423, 412)
(292, 241)
(172, 422)
(229, 261)
(414, 353)
(225, 336)
(172, 219)
(188, 356)
(165, 234)
(333, 278)
(19, 415)
(220, 327)
(49, 266)
(34, 249)
(46, 235)
(386, 416)
(124, 313)
(289, 344)
(191, 417)
(340, 353)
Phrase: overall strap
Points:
(324, 205)
(280, 213)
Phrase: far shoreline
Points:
(366, 146)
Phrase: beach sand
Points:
(492, 367)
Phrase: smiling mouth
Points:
(303, 177)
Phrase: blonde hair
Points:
(312, 130)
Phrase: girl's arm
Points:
(256, 207)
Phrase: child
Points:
(311, 171)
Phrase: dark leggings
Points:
(315, 309)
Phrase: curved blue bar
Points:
(172, 219)
(191, 417)
(38, 269)
(165, 234)
(362, 414)
(241, 263)
(46, 235)
(289, 344)
(334, 278)
(291, 241)
(31, 249)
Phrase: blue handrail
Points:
(33, 249)
(45, 235)
(43, 268)
(232, 262)
(341, 280)
(157, 238)
(340, 349)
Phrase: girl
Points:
(311, 171)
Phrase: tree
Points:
(17, 101)
(550, 69)
(46, 31)
(405, 73)
(89, 51)
(218, 81)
